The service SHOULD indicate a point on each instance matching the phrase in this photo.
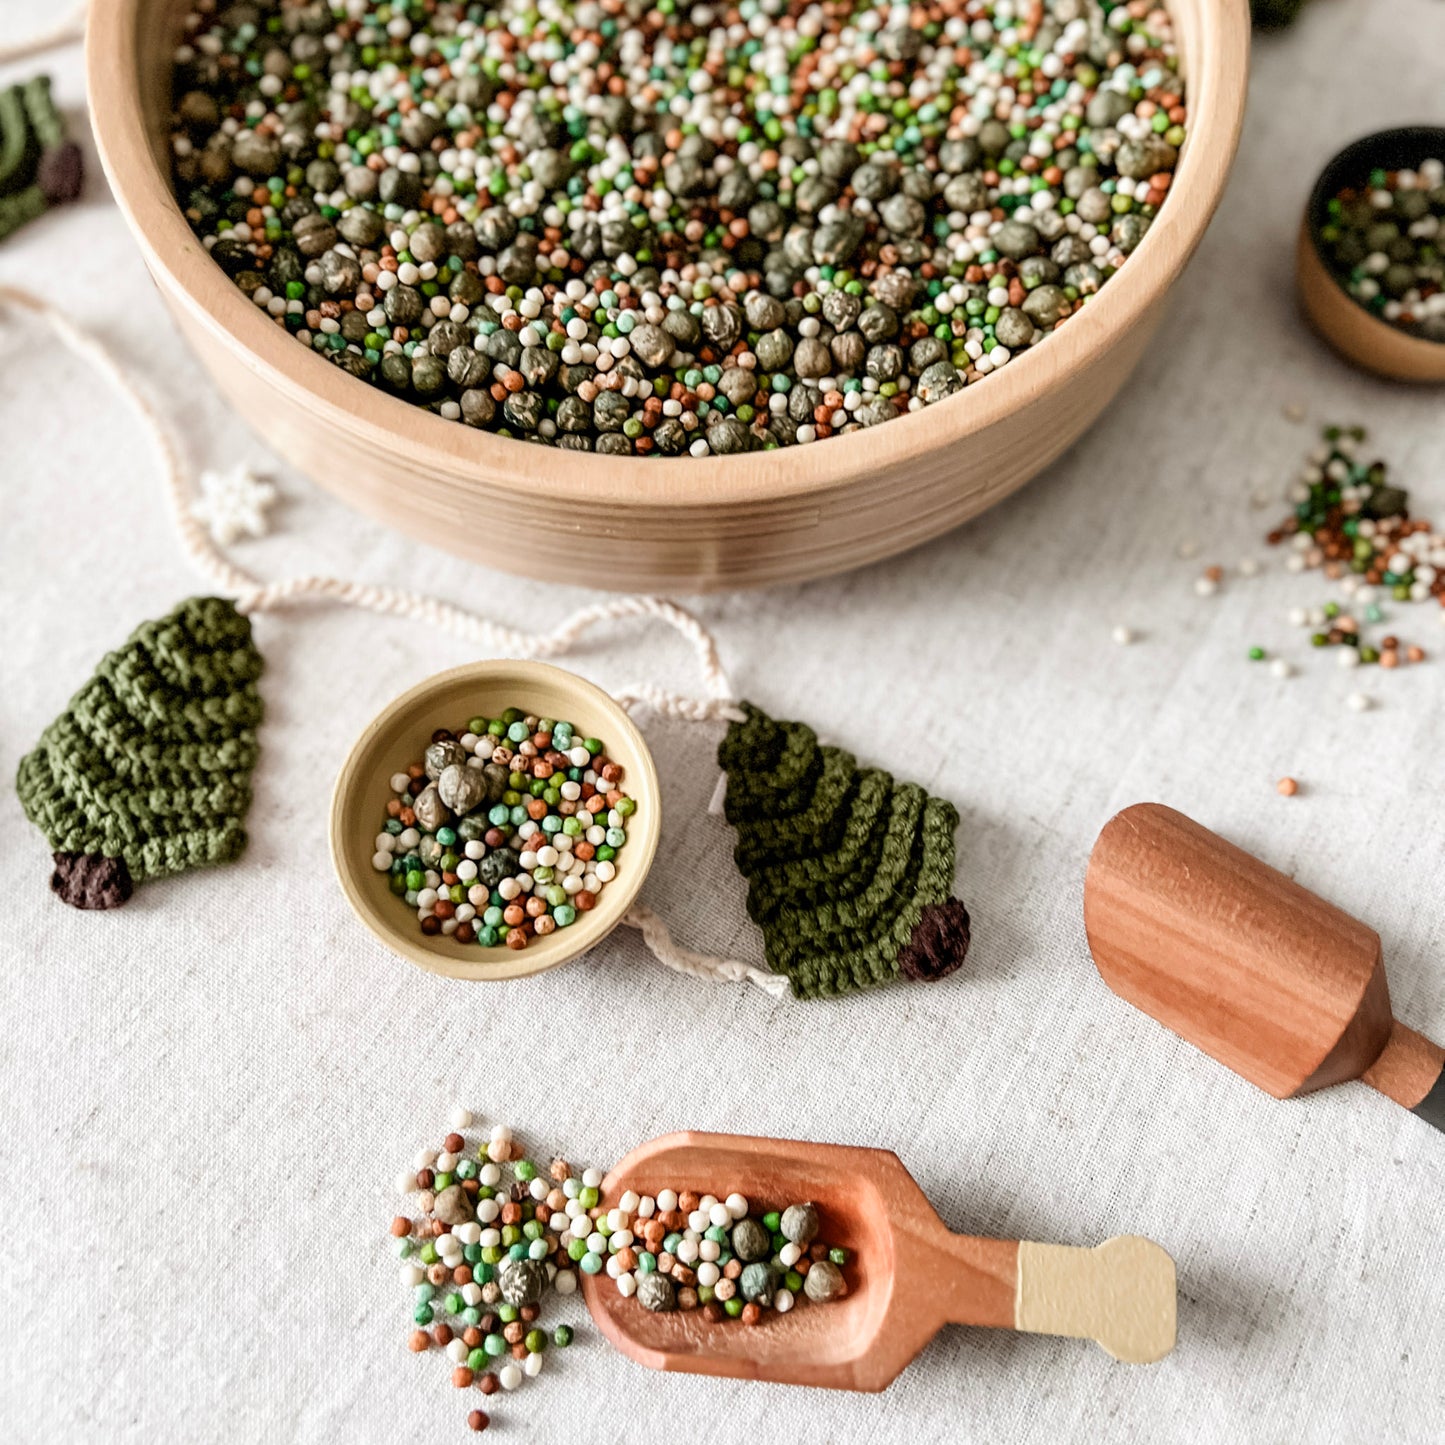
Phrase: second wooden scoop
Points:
(909, 1275)
(1244, 963)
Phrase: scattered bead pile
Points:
(1383, 242)
(643, 228)
(484, 1254)
(1353, 525)
(682, 1251)
(505, 831)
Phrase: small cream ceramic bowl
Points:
(400, 734)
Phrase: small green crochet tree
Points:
(39, 167)
(147, 772)
(850, 874)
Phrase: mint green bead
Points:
(646, 1262)
(471, 1315)
(565, 916)
(494, 1345)
(591, 1263)
(424, 1293)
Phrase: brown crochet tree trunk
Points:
(91, 880)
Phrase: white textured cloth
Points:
(204, 1099)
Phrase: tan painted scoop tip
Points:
(1121, 1294)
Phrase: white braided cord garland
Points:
(251, 595)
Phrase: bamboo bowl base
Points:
(693, 524)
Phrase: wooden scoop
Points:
(909, 1274)
(1245, 964)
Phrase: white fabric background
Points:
(205, 1098)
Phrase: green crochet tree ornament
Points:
(147, 772)
(39, 167)
(850, 874)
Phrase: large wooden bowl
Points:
(697, 525)
(396, 737)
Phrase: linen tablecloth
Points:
(205, 1098)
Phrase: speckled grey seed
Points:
(722, 325)
(957, 156)
(965, 194)
(824, 1281)
(878, 323)
(428, 374)
(651, 345)
(453, 1207)
(774, 349)
(404, 305)
(524, 410)
(903, 215)
(360, 183)
(468, 368)
(1016, 239)
(938, 381)
(728, 436)
(738, 384)
(799, 1224)
(522, 1281)
(884, 362)
(430, 811)
(1094, 206)
(498, 864)
(1129, 230)
(1140, 159)
(849, 349)
(835, 242)
(361, 227)
(314, 235)
(750, 1240)
(924, 352)
(840, 309)
(257, 155)
(655, 1292)
(993, 137)
(428, 242)
(442, 755)
(812, 358)
(478, 408)
(461, 788)
(763, 312)
(399, 188)
(1044, 305)
(758, 1281)
(1107, 107)
(873, 181)
(1013, 328)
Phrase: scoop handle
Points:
(1411, 1071)
(1121, 1294)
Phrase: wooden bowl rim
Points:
(1217, 66)
(1352, 328)
(396, 926)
